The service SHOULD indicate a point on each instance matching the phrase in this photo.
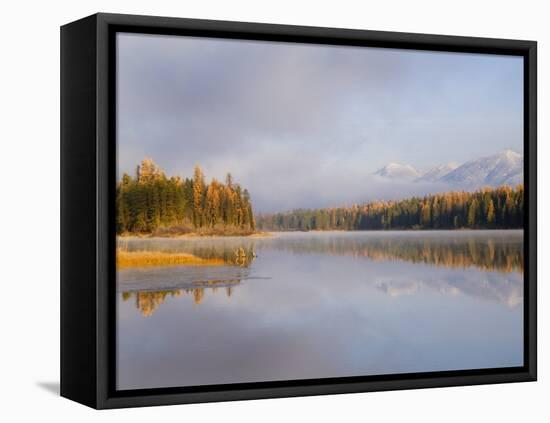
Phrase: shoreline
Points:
(194, 235)
(275, 234)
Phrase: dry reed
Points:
(125, 259)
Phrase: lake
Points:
(305, 305)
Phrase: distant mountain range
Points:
(503, 168)
(399, 172)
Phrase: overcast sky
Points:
(304, 125)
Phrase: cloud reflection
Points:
(497, 254)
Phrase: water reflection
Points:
(238, 253)
(485, 250)
(489, 252)
(508, 292)
(142, 284)
(311, 305)
(147, 302)
(487, 287)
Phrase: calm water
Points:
(315, 305)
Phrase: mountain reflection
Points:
(486, 265)
(487, 287)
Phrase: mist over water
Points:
(321, 304)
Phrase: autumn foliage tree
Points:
(501, 207)
(151, 201)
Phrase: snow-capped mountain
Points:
(438, 172)
(396, 171)
(503, 168)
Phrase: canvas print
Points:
(292, 211)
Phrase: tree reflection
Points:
(236, 254)
(147, 302)
(488, 254)
(489, 251)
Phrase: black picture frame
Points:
(88, 155)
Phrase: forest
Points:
(151, 202)
(487, 208)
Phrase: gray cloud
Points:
(305, 125)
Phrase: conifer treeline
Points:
(500, 207)
(150, 201)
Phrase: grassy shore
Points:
(126, 259)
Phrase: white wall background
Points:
(29, 209)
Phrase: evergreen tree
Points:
(472, 211)
(490, 213)
(500, 207)
(151, 201)
(198, 192)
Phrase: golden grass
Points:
(125, 259)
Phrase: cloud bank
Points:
(306, 125)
